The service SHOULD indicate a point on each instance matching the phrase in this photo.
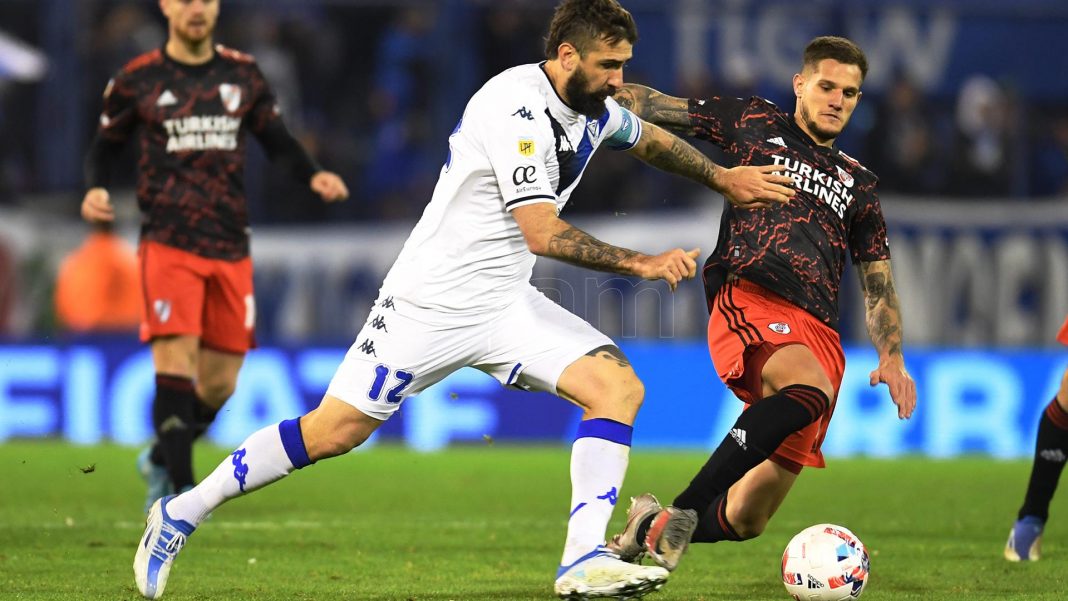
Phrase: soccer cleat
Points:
(155, 477)
(626, 543)
(669, 536)
(600, 574)
(164, 538)
(1025, 540)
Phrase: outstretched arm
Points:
(884, 326)
(746, 187)
(668, 112)
(549, 236)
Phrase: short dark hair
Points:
(582, 22)
(836, 48)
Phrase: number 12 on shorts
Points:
(403, 379)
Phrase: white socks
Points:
(267, 455)
(599, 460)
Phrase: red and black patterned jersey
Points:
(798, 249)
(190, 122)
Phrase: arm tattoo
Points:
(666, 111)
(679, 157)
(579, 248)
(881, 305)
(611, 353)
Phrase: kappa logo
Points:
(779, 327)
(230, 95)
(162, 309)
(388, 303)
(612, 496)
(738, 435)
(240, 467)
(368, 347)
(524, 114)
(778, 141)
(378, 323)
(167, 98)
(845, 177)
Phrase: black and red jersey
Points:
(798, 249)
(190, 122)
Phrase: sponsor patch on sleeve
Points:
(526, 147)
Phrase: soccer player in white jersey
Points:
(459, 295)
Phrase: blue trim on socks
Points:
(606, 429)
(597, 552)
(293, 443)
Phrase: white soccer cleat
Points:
(164, 537)
(600, 574)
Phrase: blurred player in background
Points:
(459, 295)
(772, 287)
(98, 288)
(1051, 451)
(190, 105)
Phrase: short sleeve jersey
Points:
(190, 123)
(797, 250)
(517, 144)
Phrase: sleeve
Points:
(119, 117)
(117, 121)
(867, 231)
(265, 122)
(623, 129)
(517, 137)
(716, 118)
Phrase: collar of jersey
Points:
(187, 67)
(563, 105)
(832, 149)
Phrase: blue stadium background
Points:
(964, 117)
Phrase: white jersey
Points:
(516, 144)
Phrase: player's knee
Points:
(337, 441)
(627, 393)
(749, 526)
(215, 393)
(817, 379)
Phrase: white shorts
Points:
(396, 355)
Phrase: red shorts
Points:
(187, 294)
(1062, 336)
(748, 324)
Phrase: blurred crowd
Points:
(367, 90)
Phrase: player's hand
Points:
(755, 187)
(96, 206)
(672, 267)
(329, 186)
(891, 371)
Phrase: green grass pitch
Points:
(487, 523)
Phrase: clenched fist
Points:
(96, 206)
(672, 266)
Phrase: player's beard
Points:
(186, 36)
(822, 133)
(581, 99)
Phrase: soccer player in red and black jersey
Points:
(1051, 453)
(190, 105)
(772, 285)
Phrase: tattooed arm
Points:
(745, 187)
(884, 326)
(668, 112)
(548, 235)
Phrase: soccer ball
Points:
(825, 563)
